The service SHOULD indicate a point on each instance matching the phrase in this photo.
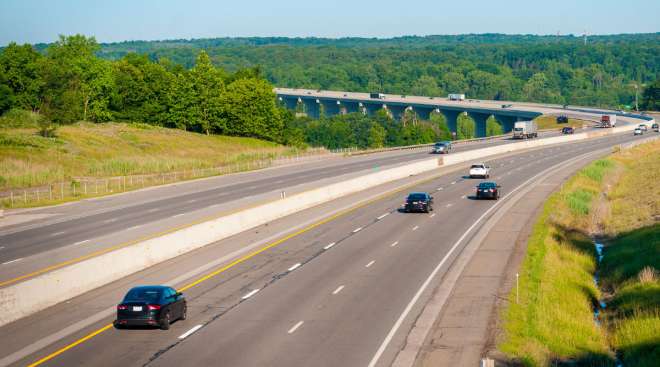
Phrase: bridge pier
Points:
(331, 108)
(423, 113)
(507, 122)
(312, 108)
(351, 107)
(397, 111)
(451, 116)
(479, 123)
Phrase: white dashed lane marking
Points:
(295, 327)
(338, 289)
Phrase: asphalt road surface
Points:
(328, 295)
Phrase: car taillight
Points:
(491, 190)
(153, 307)
(122, 307)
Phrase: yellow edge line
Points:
(242, 259)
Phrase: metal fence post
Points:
(62, 190)
(11, 195)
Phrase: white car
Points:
(643, 127)
(638, 131)
(479, 170)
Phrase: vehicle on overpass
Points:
(567, 130)
(479, 170)
(152, 305)
(507, 105)
(377, 95)
(525, 130)
(488, 190)
(608, 121)
(419, 202)
(442, 147)
(456, 97)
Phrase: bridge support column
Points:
(372, 108)
(331, 108)
(506, 122)
(397, 112)
(351, 107)
(480, 123)
(290, 102)
(452, 117)
(423, 113)
(312, 108)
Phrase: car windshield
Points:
(417, 197)
(487, 185)
(519, 129)
(439, 145)
(143, 295)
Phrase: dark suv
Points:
(567, 130)
(419, 202)
(155, 305)
(488, 190)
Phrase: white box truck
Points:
(525, 130)
(456, 97)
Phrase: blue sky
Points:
(116, 20)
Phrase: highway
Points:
(84, 228)
(317, 291)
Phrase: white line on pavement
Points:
(439, 189)
(338, 289)
(328, 246)
(134, 227)
(453, 183)
(415, 228)
(152, 210)
(394, 244)
(295, 327)
(358, 229)
(252, 293)
(432, 215)
(57, 233)
(81, 242)
(296, 266)
(370, 263)
(187, 333)
(192, 200)
(383, 216)
(110, 220)
(448, 205)
(1, 247)
(177, 215)
(464, 196)
(12, 261)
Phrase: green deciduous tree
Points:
(493, 127)
(465, 127)
(651, 97)
(19, 69)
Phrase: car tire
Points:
(184, 312)
(165, 322)
(118, 326)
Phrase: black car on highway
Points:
(419, 202)
(151, 305)
(488, 190)
(567, 130)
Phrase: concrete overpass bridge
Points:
(330, 103)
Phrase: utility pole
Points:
(585, 37)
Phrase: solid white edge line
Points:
(57, 233)
(294, 267)
(394, 244)
(252, 293)
(81, 242)
(370, 263)
(12, 261)
(187, 333)
(415, 228)
(358, 229)
(383, 216)
(295, 327)
(134, 227)
(178, 215)
(328, 246)
(338, 289)
(428, 280)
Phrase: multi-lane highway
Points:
(63, 233)
(316, 290)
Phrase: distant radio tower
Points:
(585, 37)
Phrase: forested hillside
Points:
(551, 69)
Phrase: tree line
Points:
(68, 82)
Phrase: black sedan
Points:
(154, 305)
(567, 130)
(419, 202)
(488, 190)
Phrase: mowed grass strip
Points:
(545, 122)
(116, 149)
(554, 324)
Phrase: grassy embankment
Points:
(116, 149)
(545, 122)
(616, 199)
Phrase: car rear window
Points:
(143, 295)
(486, 185)
(417, 197)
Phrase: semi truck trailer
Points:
(525, 130)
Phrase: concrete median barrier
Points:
(35, 294)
